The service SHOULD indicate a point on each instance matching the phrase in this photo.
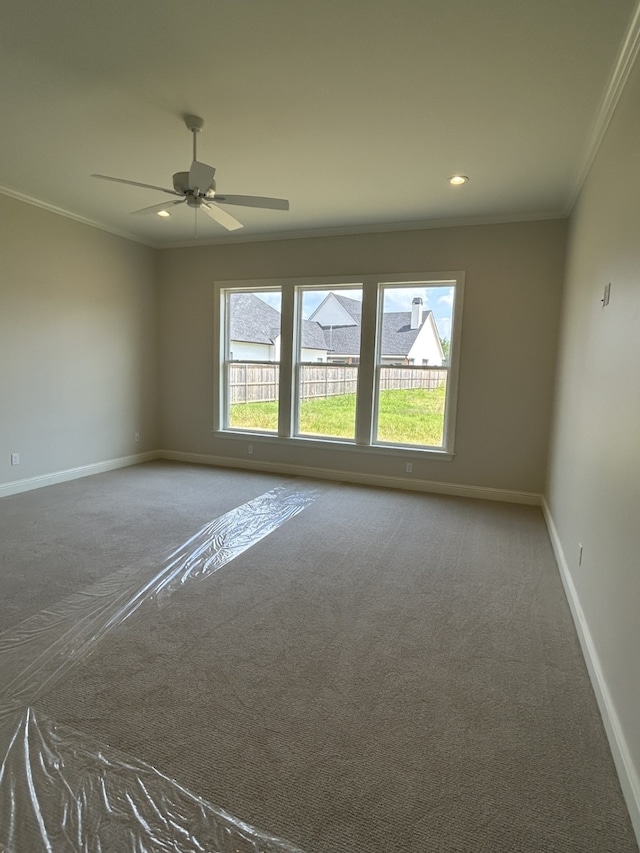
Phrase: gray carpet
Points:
(55, 540)
(385, 672)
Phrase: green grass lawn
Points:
(405, 417)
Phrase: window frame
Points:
(223, 347)
(448, 426)
(366, 397)
(300, 290)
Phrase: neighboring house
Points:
(255, 332)
(254, 329)
(411, 337)
(332, 332)
(408, 337)
(339, 317)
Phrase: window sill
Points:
(335, 444)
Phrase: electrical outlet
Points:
(137, 436)
(250, 449)
(409, 468)
(606, 296)
(579, 553)
(15, 458)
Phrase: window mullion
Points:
(366, 373)
(287, 355)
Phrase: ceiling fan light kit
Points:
(197, 188)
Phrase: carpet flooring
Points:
(386, 671)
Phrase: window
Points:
(371, 361)
(329, 321)
(415, 321)
(252, 321)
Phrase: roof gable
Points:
(428, 337)
(352, 306)
(337, 310)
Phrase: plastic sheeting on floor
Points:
(59, 791)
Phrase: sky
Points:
(437, 299)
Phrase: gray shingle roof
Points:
(397, 335)
(252, 320)
(344, 340)
(312, 335)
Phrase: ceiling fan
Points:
(197, 189)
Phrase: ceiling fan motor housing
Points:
(181, 184)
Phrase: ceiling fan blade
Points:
(135, 184)
(221, 217)
(253, 201)
(201, 176)
(155, 208)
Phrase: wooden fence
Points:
(253, 383)
(327, 380)
(258, 383)
(395, 378)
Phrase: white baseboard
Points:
(627, 773)
(30, 483)
(430, 486)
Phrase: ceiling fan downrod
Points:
(195, 125)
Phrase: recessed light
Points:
(458, 180)
(163, 213)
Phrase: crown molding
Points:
(619, 76)
(382, 228)
(52, 208)
(301, 234)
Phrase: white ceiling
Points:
(356, 110)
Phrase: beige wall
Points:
(77, 343)
(594, 482)
(510, 316)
